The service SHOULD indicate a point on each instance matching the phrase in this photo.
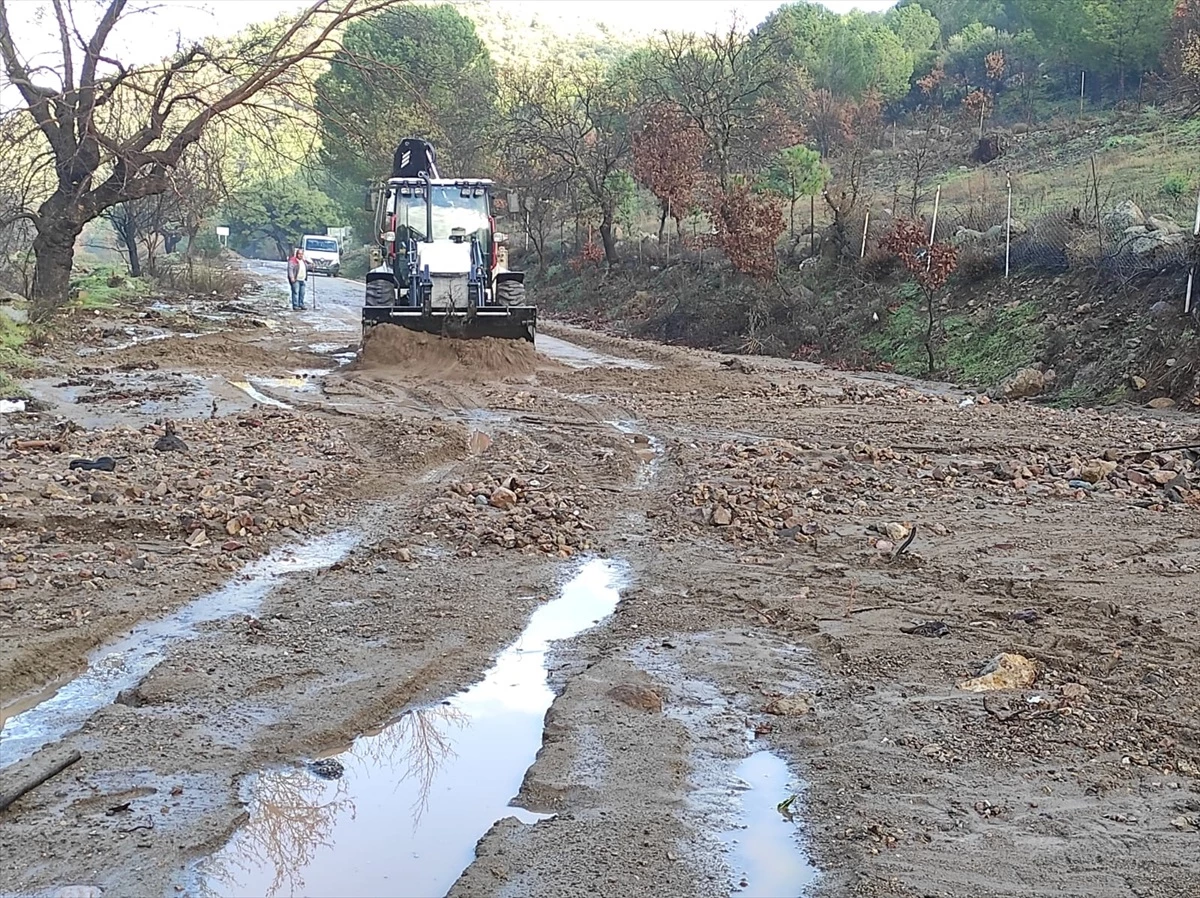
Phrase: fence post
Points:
(1008, 226)
(812, 224)
(667, 234)
(1187, 300)
(862, 253)
(1082, 75)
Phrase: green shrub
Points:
(1124, 141)
(1176, 185)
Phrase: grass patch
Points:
(10, 389)
(13, 360)
(900, 342)
(979, 348)
(105, 288)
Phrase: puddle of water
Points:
(650, 454)
(262, 399)
(339, 352)
(578, 357)
(122, 664)
(329, 348)
(762, 847)
(299, 383)
(737, 786)
(414, 799)
(310, 374)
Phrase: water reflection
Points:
(293, 812)
(764, 848)
(291, 816)
(419, 794)
(418, 743)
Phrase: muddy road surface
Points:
(607, 617)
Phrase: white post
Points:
(1082, 75)
(1008, 227)
(667, 234)
(1187, 300)
(937, 198)
(866, 220)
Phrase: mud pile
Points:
(388, 346)
(214, 352)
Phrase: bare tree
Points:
(918, 159)
(724, 83)
(24, 179)
(128, 220)
(578, 122)
(116, 132)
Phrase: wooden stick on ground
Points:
(35, 779)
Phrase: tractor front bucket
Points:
(508, 323)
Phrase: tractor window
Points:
(452, 210)
(410, 218)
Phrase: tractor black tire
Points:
(510, 293)
(381, 293)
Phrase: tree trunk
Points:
(606, 237)
(135, 263)
(54, 251)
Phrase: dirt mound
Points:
(213, 352)
(388, 346)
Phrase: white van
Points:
(323, 254)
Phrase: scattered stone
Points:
(503, 498)
(795, 705)
(8, 582)
(327, 768)
(1126, 215)
(934, 628)
(643, 698)
(1137, 383)
(1161, 402)
(170, 442)
(722, 516)
(1005, 671)
(1023, 384)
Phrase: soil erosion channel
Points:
(604, 617)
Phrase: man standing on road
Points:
(297, 271)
